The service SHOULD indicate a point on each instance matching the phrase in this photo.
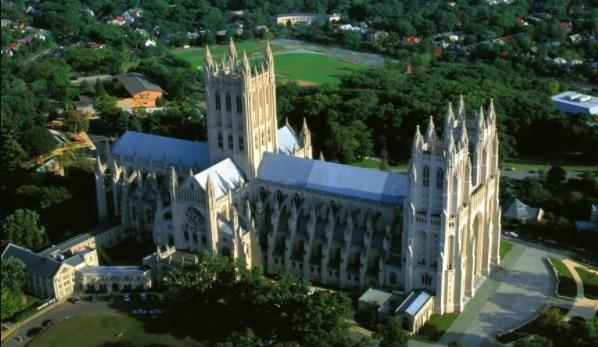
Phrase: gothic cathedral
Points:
(253, 191)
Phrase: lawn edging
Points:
(500, 337)
(557, 281)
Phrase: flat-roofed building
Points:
(573, 102)
(415, 311)
(305, 18)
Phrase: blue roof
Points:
(287, 140)
(351, 181)
(189, 153)
(573, 102)
(414, 303)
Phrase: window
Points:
(239, 104)
(220, 145)
(228, 103)
(186, 236)
(230, 142)
(426, 280)
(241, 144)
(194, 237)
(439, 179)
(217, 101)
(426, 180)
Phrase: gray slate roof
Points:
(516, 209)
(287, 140)
(189, 153)
(369, 184)
(136, 82)
(225, 175)
(42, 266)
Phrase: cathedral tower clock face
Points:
(194, 217)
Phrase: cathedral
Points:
(253, 191)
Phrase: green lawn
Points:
(532, 327)
(104, 330)
(590, 283)
(535, 164)
(374, 163)
(304, 68)
(436, 327)
(505, 247)
(567, 285)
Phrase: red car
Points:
(49, 323)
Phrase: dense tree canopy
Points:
(22, 228)
(13, 281)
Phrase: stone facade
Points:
(434, 229)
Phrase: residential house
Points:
(143, 93)
(517, 210)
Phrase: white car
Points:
(143, 296)
(511, 234)
(126, 298)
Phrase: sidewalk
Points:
(582, 306)
(14, 327)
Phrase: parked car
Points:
(73, 300)
(34, 331)
(48, 323)
(161, 297)
(139, 311)
(142, 296)
(126, 298)
(511, 234)
(94, 298)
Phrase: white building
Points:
(252, 191)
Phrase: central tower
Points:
(241, 108)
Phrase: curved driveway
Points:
(513, 294)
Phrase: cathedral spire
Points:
(417, 140)
(304, 129)
(209, 62)
(430, 132)
(246, 66)
(491, 113)
(232, 51)
(449, 122)
(268, 54)
(321, 156)
(461, 109)
(463, 139)
(480, 119)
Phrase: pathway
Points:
(582, 307)
(512, 294)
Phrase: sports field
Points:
(304, 67)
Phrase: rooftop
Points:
(224, 175)
(135, 83)
(317, 175)
(114, 270)
(287, 140)
(516, 209)
(375, 296)
(38, 264)
(573, 102)
(414, 303)
(174, 151)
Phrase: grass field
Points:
(534, 164)
(567, 286)
(505, 248)
(304, 68)
(436, 327)
(104, 330)
(590, 283)
(374, 163)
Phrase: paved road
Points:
(582, 307)
(512, 294)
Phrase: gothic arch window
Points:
(228, 103)
(220, 140)
(426, 176)
(439, 179)
(297, 199)
(279, 196)
(423, 246)
(263, 193)
(426, 279)
(392, 278)
(231, 145)
(241, 144)
(217, 100)
(239, 104)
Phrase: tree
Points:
(42, 198)
(12, 154)
(533, 341)
(556, 175)
(12, 282)
(390, 333)
(37, 140)
(77, 121)
(22, 228)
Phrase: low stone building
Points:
(113, 278)
(305, 18)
